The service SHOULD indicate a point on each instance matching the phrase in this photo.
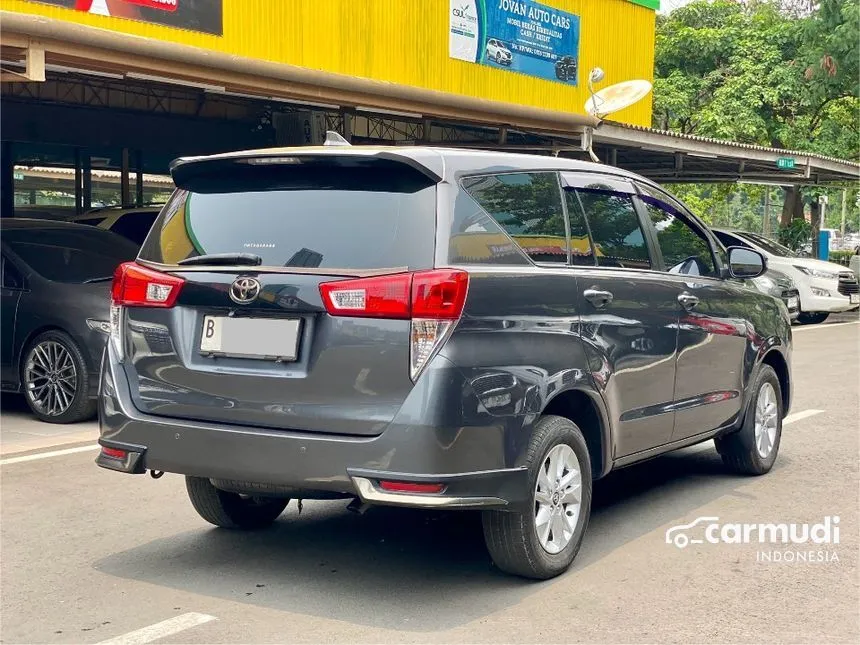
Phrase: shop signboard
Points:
(205, 16)
(516, 35)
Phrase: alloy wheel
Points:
(50, 378)
(558, 498)
(766, 419)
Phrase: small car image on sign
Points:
(498, 52)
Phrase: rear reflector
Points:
(439, 295)
(433, 300)
(383, 297)
(114, 453)
(410, 487)
(137, 286)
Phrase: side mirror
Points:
(746, 263)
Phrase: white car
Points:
(824, 287)
(132, 223)
(779, 285)
(499, 52)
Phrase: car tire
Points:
(55, 379)
(807, 318)
(512, 536)
(231, 510)
(742, 451)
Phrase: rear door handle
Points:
(688, 300)
(597, 297)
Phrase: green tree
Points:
(777, 73)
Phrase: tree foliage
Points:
(779, 73)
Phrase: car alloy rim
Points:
(558, 498)
(50, 378)
(766, 418)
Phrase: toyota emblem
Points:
(244, 290)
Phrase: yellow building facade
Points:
(402, 42)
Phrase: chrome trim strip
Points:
(373, 495)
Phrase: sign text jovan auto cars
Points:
(517, 35)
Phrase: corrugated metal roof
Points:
(735, 144)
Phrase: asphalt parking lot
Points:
(91, 556)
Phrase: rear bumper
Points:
(471, 462)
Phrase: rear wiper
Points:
(224, 259)
(102, 279)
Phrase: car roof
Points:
(23, 223)
(444, 164)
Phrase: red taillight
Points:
(440, 294)
(137, 286)
(410, 487)
(437, 295)
(383, 297)
(114, 453)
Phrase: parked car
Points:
(132, 223)
(779, 285)
(497, 51)
(566, 68)
(372, 328)
(44, 211)
(55, 305)
(824, 287)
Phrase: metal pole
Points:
(765, 227)
(844, 206)
(7, 181)
(125, 183)
(87, 188)
(138, 185)
(79, 184)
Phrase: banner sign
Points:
(517, 35)
(196, 15)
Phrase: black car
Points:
(55, 304)
(433, 328)
(566, 68)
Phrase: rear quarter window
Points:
(526, 206)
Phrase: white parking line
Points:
(791, 418)
(823, 326)
(797, 416)
(160, 630)
(45, 455)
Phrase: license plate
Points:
(260, 338)
(792, 302)
(854, 298)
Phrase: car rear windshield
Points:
(770, 246)
(366, 216)
(74, 255)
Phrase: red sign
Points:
(196, 15)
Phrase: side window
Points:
(684, 248)
(476, 238)
(12, 279)
(581, 251)
(134, 226)
(528, 208)
(615, 230)
(730, 240)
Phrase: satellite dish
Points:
(617, 97)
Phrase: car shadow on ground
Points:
(401, 569)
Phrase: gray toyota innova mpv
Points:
(433, 328)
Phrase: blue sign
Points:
(516, 35)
